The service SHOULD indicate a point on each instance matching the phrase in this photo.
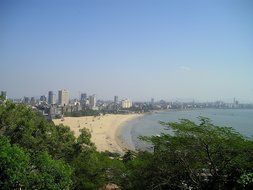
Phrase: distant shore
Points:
(105, 129)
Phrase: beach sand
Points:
(104, 129)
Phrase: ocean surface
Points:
(148, 125)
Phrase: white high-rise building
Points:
(126, 103)
(63, 97)
(92, 101)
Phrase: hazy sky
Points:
(200, 50)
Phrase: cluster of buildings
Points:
(61, 100)
(58, 105)
(200, 105)
(55, 105)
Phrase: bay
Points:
(239, 119)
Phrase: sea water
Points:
(239, 119)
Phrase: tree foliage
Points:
(21, 170)
(37, 154)
(47, 173)
(13, 165)
(195, 156)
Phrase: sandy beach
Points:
(104, 129)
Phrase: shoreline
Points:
(118, 135)
(105, 130)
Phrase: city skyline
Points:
(112, 97)
(83, 96)
(186, 50)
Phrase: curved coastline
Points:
(105, 130)
(238, 119)
(110, 132)
(118, 135)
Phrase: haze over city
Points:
(201, 50)
(126, 94)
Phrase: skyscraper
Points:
(83, 100)
(33, 101)
(26, 100)
(43, 98)
(51, 98)
(63, 97)
(92, 101)
(116, 99)
(83, 97)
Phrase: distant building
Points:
(116, 99)
(43, 98)
(236, 103)
(83, 100)
(63, 97)
(92, 101)
(54, 111)
(4, 94)
(152, 101)
(33, 101)
(126, 103)
(26, 100)
(51, 98)
(83, 97)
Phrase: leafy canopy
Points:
(196, 156)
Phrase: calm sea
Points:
(239, 119)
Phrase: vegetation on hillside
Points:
(37, 154)
(196, 156)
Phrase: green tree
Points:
(93, 170)
(49, 147)
(246, 181)
(14, 164)
(26, 127)
(197, 156)
(20, 170)
(30, 130)
(138, 171)
(128, 156)
(47, 173)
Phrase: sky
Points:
(137, 49)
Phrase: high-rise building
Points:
(152, 101)
(83, 97)
(92, 101)
(51, 98)
(63, 97)
(116, 99)
(126, 103)
(83, 100)
(236, 103)
(26, 100)
(4, 94)
(33, 101)
(43, 98)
